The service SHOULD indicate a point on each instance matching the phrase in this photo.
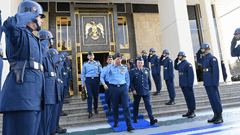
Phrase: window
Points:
(63, 7)
(63, 34)
(123, 32)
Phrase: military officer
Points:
(67, 64)
(54, 126)
(186, 80)
(153, 59)
(145, 58)
(21, 96)
(211, 81)
(91, 71)
(140, 82)
(167, 64)
(1, 52)
(46, 41)
(224, 72)
(119, 85)
(234, 50)
(132, 64)
(105, 82)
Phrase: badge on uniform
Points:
(170, 61)
(146, 72)
(114, 71)
(88, 66)
(123, 70)
(95, 65)
(214, 59)
(190, 65)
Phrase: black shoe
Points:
(115, 125)
(213, 119)
(157, 93)
(135, 121)
(65, 102)
(96, 111)
(186, 114)
(130, 128)
(219, 119)
(153, 121)
(63, 114)
(191, 114)
(90, 115)
(110, 109)
(60, 130)
(171, 102)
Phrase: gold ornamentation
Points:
(94, 32)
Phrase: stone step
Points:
(81, 108)
(155, 108)
(78, 102)
(95, 121)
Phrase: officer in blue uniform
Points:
(156, 68)
(145, 58)
(67, 63)
(140, 82)
(235, 50)
(91, 71)
(167, 64)
(50, 95)
(55, 59)
(105, 82)
(186, 80)
(224, 72)
(211, 81)
(132, 64)
(119, 85)
(21, 97)
(1, 52)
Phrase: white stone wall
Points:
(8, 8)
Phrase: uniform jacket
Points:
(234, 50)
(104, 77)
(91, 70)
(185, 71)
(50, 93)
(132, 65)
(140, 81)
(210, 63)
(146, 63)
(167, 68)
(154, 64)
(119, 75)
(28, 94)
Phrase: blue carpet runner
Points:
(142, 123)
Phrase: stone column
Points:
(175, 29)
(209, 31)
(222, 45)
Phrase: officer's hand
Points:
(82, 85)
(105, 87)
(150, 90)
(134, 92)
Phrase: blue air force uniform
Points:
(211, 82)
(186, 80)
(119, 85)
(22, 93)
(140, 82)
(168, 76)
(132, 65)
(105, 80)
(146, 63)
(155, 67)
(235, 50)
(50, 94)
(224, 72)
(1, 52)
(91, 72)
